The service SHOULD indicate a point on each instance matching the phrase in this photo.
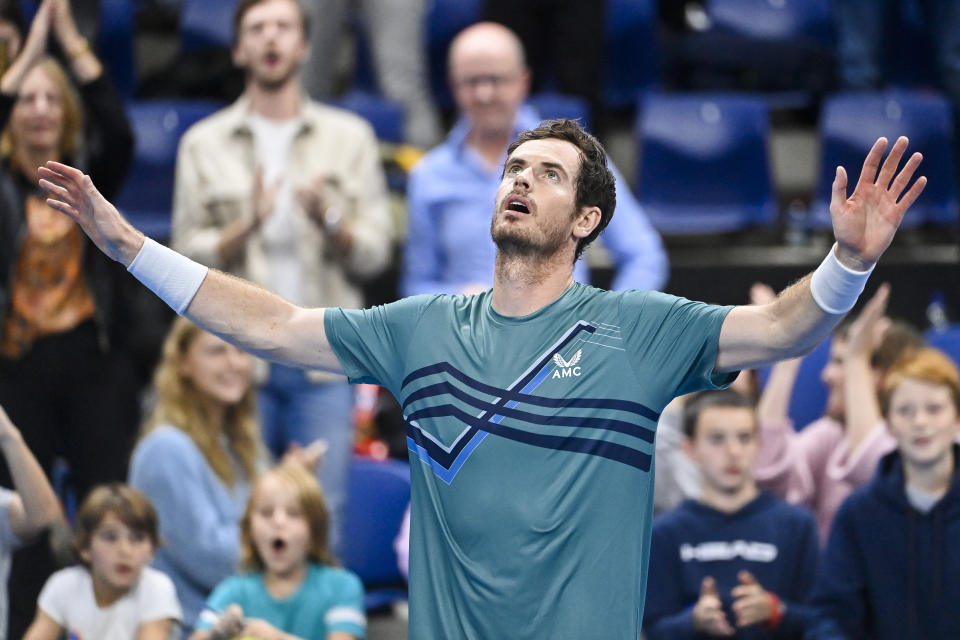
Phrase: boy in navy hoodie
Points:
(891, 568)
(736, 562)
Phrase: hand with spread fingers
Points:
(864, 224)
(73, 194)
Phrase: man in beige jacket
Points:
(290, 194)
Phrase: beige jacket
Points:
(214, 184)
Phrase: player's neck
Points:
(276, 102)
(729, 502)
(525, 284)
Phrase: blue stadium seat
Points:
(947, 340)
(774, 19)
(851, 122)
(206, 24)
(558, 105)
(445, 19)
(632, 58)
(386, 117)
(115, 42)
(146, 198)
(379, 493)
(703, 164)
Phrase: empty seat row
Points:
(703, 160)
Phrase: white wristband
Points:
(836, 288)
(173, 277)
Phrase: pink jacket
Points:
(814, 467)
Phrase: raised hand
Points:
(73, 194)
(7, 430)
(751, 602)
(34, 48)
(708, 616)
(864, 224)
(64, 26)
(866, 332)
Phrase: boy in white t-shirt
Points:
(24, 512)
(114, 595)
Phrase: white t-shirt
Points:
(8, 543)
(68, 598)
(272, 140)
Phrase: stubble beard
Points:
(521, 243)
(523, 257)
(272, 85)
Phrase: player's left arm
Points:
(804, 313)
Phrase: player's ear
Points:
(587, 220)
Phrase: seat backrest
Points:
(851, 122)
(379, 492)
(206, 24)
(558, 105)
(385, 116)
(774, 19)
(703, 164)
(947, 340)
(444, 20)
(632, 51)
(158, 125)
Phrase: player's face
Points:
(489, 84)
(725, 446)
(271, 44)
(38, 117)
(279, 527)
(535, 205)
(218, 370)
(117, 554)
(923, 419)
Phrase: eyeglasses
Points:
(495, 81)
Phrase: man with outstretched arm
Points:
(532, 406)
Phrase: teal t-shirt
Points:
(329, 599)
(532, 498)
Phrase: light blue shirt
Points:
(329, 599)
(451, 196)
(199, 515)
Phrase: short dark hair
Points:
(245, 5)
(700, 402)
(131, 507)
(596, 186)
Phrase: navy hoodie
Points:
(774, 541)
(890, 571)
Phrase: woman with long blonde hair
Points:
(198, 454)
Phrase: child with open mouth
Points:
(291, 586)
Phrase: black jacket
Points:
(108, 150)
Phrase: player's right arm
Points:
(250, 317)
